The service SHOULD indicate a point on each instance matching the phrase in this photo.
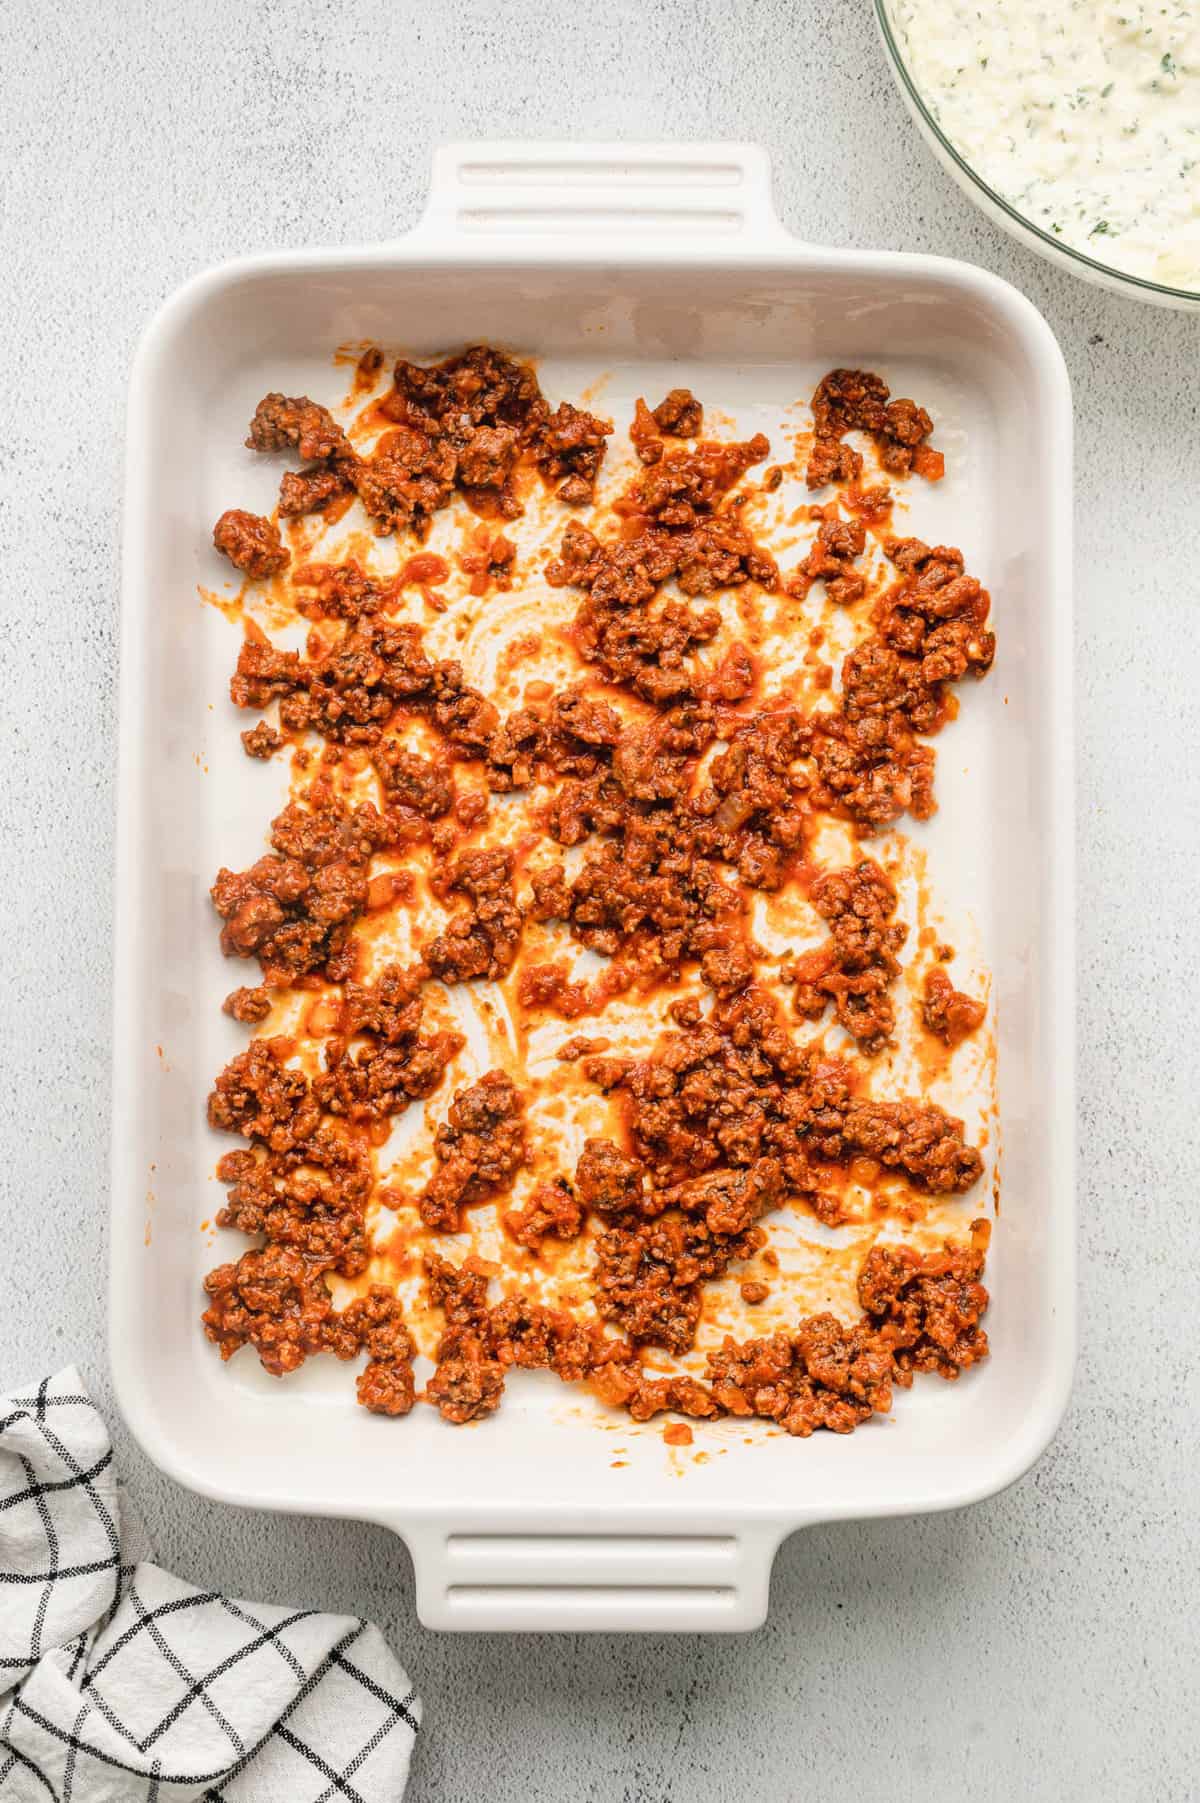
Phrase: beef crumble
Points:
(650, 1273)
(734, 1087)
(353, 691)
(921, 1312)
(930, 631)
(857, 965)
(553, 1211)
(838, 544)
(463, 425)
(380, 1079)
(294, 908)
(849, 400)
(927, 1308)
(946, 1012)
(679, 415)
(248, 1004)
(481, 939)
(251, 543)
(823, 1374)
(479, 1149)
(680, 522)
(262, 741)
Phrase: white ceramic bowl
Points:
(1089, 269)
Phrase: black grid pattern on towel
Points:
(163, 1657)
(46, 1500)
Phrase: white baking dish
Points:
(652, 263)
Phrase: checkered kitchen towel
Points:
(121, 1684)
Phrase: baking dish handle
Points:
(539, 1577)
(714, 195)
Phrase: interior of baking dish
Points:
(556, 1511)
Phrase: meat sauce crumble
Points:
(668, 785)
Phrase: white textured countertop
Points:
(1039, 1644)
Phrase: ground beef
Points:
(710, 551)
(849, 400)
(271, 1300)
(390, 1008)
(679, 415)
(568, 450)
(386, 1386)
(645, 434)
(294, 908)
(406, 480)
(250, 1005)
(822, 1375)
(340, 591)
(481, 939)
(645, 649)
(927, 1307)
(262, 741)
(489, 457)
(753, 809)
(573, 736)
(679, 524)
(918, 1140)
(283, 422)
(312, 1197)
(625, 1386)
(735, 1087)
(262, 672)
(460, 1291)
(552, 1211)
(351, 693)
(649, 1275)
(257, 1096)
(640, 1290)
(650, 903)
(379, 1080)
(857, 965)
(303, 425)
(931, 631)
(482, 1341)
(838, 544)
(727, 969)
(312, 491)
(832, 461)
(251, 543)
(607, 1181)
(684, 486)
(464, 425)
(468, 1381)
(689, 787)
(946, 1012)
(479, 1149)
(415, 783)
(920, 1313)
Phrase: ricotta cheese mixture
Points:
(1084, 117)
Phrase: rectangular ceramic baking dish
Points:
(657, 264)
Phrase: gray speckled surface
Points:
(1042, 1643)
